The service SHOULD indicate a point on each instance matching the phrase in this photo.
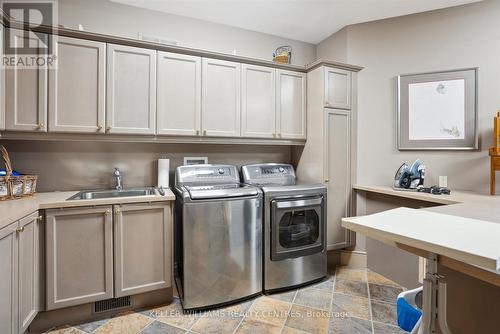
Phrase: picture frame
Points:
(438, 110)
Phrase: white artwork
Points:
(436, 110)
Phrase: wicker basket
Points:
(12, 187)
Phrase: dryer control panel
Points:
(266, 174)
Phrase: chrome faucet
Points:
(119, 179)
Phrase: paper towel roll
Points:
(163, 170)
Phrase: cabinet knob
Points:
(327, 180)
(197, 132)
(274, 135)
(327, 103)
(20, 229)
(107, 212)
(99, 127)
(117, 211)
(109, 127)
(279, 135)
(40, 126)
(40, 219)
(204, 132)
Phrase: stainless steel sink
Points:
(112, 193)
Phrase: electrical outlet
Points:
(443, 181)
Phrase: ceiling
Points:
(305, 20)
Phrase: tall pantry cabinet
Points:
(329, 154)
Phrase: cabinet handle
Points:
(20, 229)
(99, 127)
(109, 127)
(40, 126)
(327, 180)
(204, 132)
(197, 132)
(107, 212)
(117, 211)
(40, 219)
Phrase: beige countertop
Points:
(458, 203)
(13, 210)
(465, 226)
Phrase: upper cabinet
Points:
(178, 94)
(77, 86)
(99, 88)
(291, 104)
(337, 88)
(258, 101)
(26, 90)
(131, 90)
(220, 98)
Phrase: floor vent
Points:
(112, 304)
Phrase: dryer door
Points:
(297, 227)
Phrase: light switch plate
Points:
(443, 181)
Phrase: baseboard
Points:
(84, 313)
(347, 258)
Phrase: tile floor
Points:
(350, 301)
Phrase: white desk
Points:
(468, 245)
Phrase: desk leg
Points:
(434, 300)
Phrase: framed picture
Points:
(438, 111)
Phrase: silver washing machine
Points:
(218, 237)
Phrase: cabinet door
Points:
(8, 279)
(29, 270)
(291, 104)
(79, 253)
(258, 102)
(179, 94)
(220, 107)
(143, 248)
(338, 169)
(131, 92)
(337, 88)
(26, 90)
(77, 86)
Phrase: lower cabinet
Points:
(20, 274)
(107, 251)
(8, 279)
(143, 241)
(29, 270)
(79, 256)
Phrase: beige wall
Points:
(466, 36)
(89, 165)
(107, 17)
